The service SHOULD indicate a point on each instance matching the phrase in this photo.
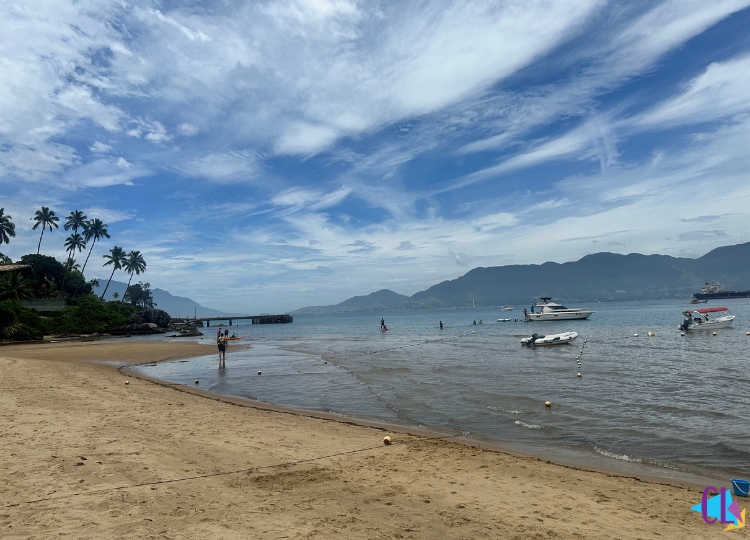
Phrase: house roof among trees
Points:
(12, 267)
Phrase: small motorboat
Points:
(504, 320)
(234, 338)
(535, 340)
(698, 300)
(706, 319)
(506, 308)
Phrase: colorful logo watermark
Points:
(720, 509)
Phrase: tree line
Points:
(45, 280)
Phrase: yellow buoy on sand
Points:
(127, 382)
(387, 440)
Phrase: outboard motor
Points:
(534, 337)
(686, 323)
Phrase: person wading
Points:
(221, 341)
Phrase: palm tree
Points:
(92, 230)
(94, 283)
(134, 264)
(115, 295)
(116, 258)
(75, 220)
(14, 287)
(73, 265)
(7, 228)
(46, 218)
(74, 242)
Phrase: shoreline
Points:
(158, 462)
(578, 458)
(390, 428)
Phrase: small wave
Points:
(508, 411)
(527, 426)
(622, 457)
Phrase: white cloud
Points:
(192, 35)
(100, 148)
(615, 55)
(104, 172)
(107, 215)
(309, 200)
(305, 138)
(722, 91)
(187, 129)
(224, 168)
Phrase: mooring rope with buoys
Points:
(580, 353)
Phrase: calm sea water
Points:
(666, 405)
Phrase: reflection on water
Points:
(678, 403)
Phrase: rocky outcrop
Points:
(158, 317)
(188, 332)
(137, 328)
(182, 324)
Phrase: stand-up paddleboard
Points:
(384, 328)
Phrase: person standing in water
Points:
(221, 342)
(441, 325)
(382, 324)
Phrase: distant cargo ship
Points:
(715, 292)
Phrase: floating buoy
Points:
(259, 373)
(635, 335)
(578, 374)
(196, 381)
(747, 333)
(714, 333)
(651, 334)
(548, 404)
(387, 440)
(127, 382)
(682, 334)
(325, 362)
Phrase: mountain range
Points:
(600, 277)
(176, 306)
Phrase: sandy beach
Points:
(85, 455)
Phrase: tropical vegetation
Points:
(47, 219)
(40, 276)
(7, 228)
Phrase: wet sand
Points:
(83, 455)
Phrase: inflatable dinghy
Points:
(551, 339)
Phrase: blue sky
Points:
(264, 156)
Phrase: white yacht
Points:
(546, 310)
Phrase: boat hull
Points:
(723, 322)
(722, 295)
(565, 316)
(551, 339)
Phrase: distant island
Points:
(600, 277)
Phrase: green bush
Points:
(92, 315)
(19, 323)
